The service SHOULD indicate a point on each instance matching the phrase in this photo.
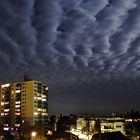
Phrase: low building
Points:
(81, 123)
(113, 125)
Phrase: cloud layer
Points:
(72, 44)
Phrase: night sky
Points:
(87, 51)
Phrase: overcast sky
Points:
(87, 51)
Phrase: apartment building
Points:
(23, 102)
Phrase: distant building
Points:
(85, 127)
(22, 102)
(81, 123)
(113, 125)
(86, 124)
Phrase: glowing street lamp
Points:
(33, 134)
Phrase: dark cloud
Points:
(88, 51)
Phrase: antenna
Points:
(26, 78)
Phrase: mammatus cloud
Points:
(71, 44)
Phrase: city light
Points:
(33, 134)
(49, 132)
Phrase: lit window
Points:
(39, 98)
(17, 102)
(35, 113)
(17, 106)
(43, 96)
(2, 103)
(6, 128)
(44, 110)
(17, 114)
(5, 124)
(17, 125)
(17, 91)
(39, 109)
(43, 100)
(6, 110)
(44, 114)
(17, 109)
(5, 85)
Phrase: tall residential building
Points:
(23, 102)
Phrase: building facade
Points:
(113, 125)
(23, 102)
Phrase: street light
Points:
(33, 134)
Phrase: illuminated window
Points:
(6, 110)
(17, 106)
(17, 110)
(39, 109)
(5, 124)
(5, 85)
(6, 128)
(17, 102)
(17, 125)
(44, 110)
(17, 114)
(44, 100)
(6, 103)
(43, 96)
(17, 91)
(44, 114)
(35, 113)
(2, 103)
(39, 98)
